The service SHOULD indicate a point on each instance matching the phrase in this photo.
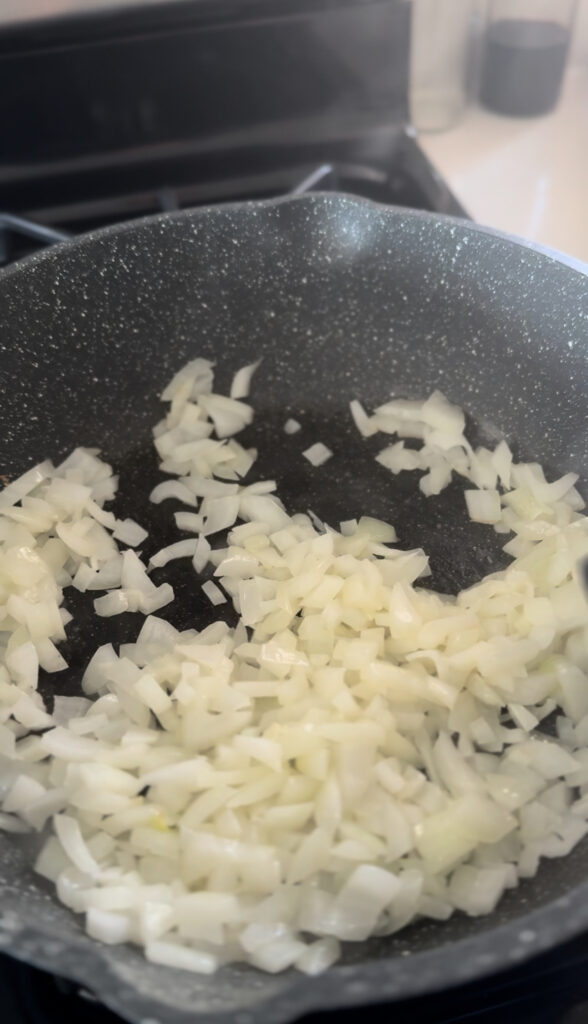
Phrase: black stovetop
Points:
(388, 167)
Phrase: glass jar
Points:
(438, 63)
(526, 50)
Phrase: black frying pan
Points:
(343, 299)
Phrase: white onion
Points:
(199, 376)
(437, 479)
(192, 522)
(108, 927)
(221, 513)
(483, 506)
(242, 380)
(319, 956)
(359, 903)
(107, 577)
(129, 532)
(23, 792)
(134, 576)
(10, 823)
(201, 554)
(278, 955)
(65, 708)
(260, 487)
(348, 527)
(172, 489)
(26, 483)
(317, 454)
(264, 509)
(207, 487)
(23, 665)
(174, 955)
(158, 598)
(114, 603)
(70, 836)
(250, 601)
(363, 422)
(107, 519)
(228, 415)
(291, 426)
(181, 549)
(396, 458)
(213, 593)
(28, 713)
(356, 752)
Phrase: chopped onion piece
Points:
(172, 489)
(317, 454)
(199, 375)
(192, 522)
(181, 549)
(483, 506)
(348, 527)
(201, 553)
(397, 458)
(213, 593)
(108, 927)
(70, 836)
(25, 484)
(242, 380)
(129, 532)
(159, 598)
(221, 514)
(174, 955)
(365, 424)
(228, 415)
(65, 708)
(114, 603)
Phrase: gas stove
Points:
(133, 110)
(397, 173)
(140, 109)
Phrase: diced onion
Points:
(26, 483)
(181, 549)
(354, 752)
(483, 506)
(172, 489)
(201, 553)
(213, 593)
(242, 380)
(129, 532)
(317, 454)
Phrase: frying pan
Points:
(342, 298)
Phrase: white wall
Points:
(579, 53)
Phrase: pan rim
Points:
(305, 199)
(425, 972)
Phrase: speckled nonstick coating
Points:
(342, 298)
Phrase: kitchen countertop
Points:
(525, 176)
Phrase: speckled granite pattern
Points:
(343, 299)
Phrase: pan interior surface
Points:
(342, 299)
